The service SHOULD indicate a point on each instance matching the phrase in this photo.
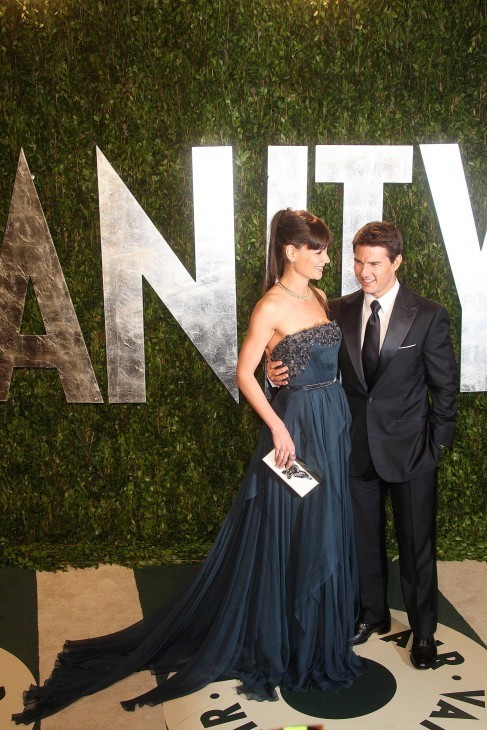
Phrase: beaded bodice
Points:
(310, 354)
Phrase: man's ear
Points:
(397, 262)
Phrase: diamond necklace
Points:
(304, 297)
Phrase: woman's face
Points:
(309, 262)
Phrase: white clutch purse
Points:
(299, 477)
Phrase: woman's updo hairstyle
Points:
(298, 228)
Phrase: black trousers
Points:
(414, 505)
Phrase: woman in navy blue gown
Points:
(275, 602)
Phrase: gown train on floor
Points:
(275, 602)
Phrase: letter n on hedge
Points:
(133, 248)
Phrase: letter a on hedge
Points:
(28, 253)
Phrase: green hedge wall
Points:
(145, 80)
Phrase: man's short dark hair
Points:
(380, 233)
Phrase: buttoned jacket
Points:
(409, 413)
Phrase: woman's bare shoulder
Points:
(270, 304)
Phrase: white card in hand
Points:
(298, 476)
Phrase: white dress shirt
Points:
(386, 302)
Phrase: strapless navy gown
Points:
(275, 602)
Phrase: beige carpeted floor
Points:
(464, 584)
(91, 602)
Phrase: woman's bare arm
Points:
(260, 332)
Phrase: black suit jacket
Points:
(411, 408)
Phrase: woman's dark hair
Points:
(298, 228)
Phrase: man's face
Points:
(375, 272)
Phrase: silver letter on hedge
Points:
(133, 248)
(468, 261)
(28, 253)
(287, 179)
(363, 170)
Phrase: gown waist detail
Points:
(311, 386)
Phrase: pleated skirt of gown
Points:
(273, 605)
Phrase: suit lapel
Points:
(351, 324)
(402, 316)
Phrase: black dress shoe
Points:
(363, 631)
(423, 652)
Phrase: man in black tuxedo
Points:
(399, 373)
